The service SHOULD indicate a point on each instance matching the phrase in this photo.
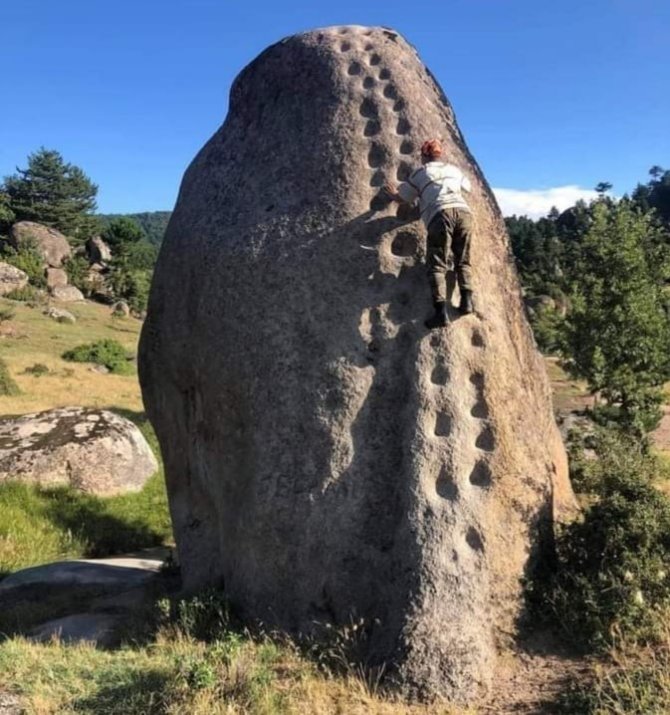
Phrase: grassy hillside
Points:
(38, 339)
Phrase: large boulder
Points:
(327, 456)
(11, 278)
(93, 450)
(52, 244)
(66, 294)
(98, 251)
(56, 278)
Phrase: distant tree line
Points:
(55, 193)
(596, 279)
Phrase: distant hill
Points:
(153, 223)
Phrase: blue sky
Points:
(552, 97)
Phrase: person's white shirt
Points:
(437, 186)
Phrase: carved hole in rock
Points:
(435, 341)
(391, 35)
(368, 109)
(440, 375)
(442, 425)
(477, 379)
(481, 475)
(345, 46)
(344, 30)
(404, 244)
(407, 147)
(369, 47)
(480, 410)
(477, 339)
(372, 128)
(385, 74)
(403, 126)
(375, 59)
(354, 68)
(474, 539)
(404, 171)
(390, 91)
(375, 156)
(399, 105)
(368, 83)
(486, 440)
(368, 33)
(378, 179)
(446, 487)
(378, 203)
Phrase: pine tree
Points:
(55, 193)
(618, 334)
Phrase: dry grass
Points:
(39, 339)
(176, 674)
(568, 394)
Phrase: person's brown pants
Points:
(449, 229)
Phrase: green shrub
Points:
(77, 269)
(38, 369)
(109, 353)
(28, 294)
(611, 582)
(7, 385)
(547, 325)
(28, 259)
(6, 314)
(636, 687)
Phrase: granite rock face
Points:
(51, 244)
(326, 455)
(93, 450)
(11, 278)
(66, 294)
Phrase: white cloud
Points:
(536, 203)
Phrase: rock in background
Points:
(11, 279)
(66, 294)
(95, 451)
(51, 244)
(326, 456)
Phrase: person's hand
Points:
(391, 191)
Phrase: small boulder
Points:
(98, 251)
(67, 294)
(52, 244)
(60, 315)
(11, 278)
(121, 309)
(56, 278)
(93, 450)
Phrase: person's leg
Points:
(462, 240)
(436, 257)
(436, 262)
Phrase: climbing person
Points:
(438, 186)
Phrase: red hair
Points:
(431, 149)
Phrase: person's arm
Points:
(405, 193)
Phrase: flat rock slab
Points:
(113, 574)
(97, 628)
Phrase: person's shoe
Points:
(466, 305)
(440, 319)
